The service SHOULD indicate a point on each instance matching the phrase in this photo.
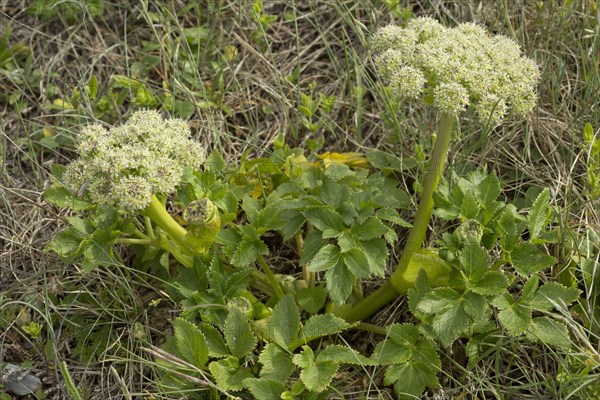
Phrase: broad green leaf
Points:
(343, 355)
(238, 335)
(325, 259)
(527, 259)
(554, 295)
(214, 340)
(516, 318)
(66, 243)
(313, 242)
(475, 305)
(510, 228)
(334, 194)
(389, 162)
(391, 215)
(357, 263)
(191, 344)
(229, 374)
(550, 332)
(284, 323)
(318, 326)
(376, 252)
(60, 196)
(529, 289)
(438, 300)
(276, 363)
(491, 284)
(265, 389)
(316, 375)
(488, 190)
(229, 239)
(404, 343)
(326, 220)
(538, 215)
(293, 221)
(410, 379)
(248, 249)
(339, 282)
(372, 228)
(474, 259)
(311, 299)
(469, 207)
(451, 323)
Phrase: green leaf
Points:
(327, 258)
(191, 344)
(491, 284)
(311, 299)
(343, 355)
(315, 375)
(550, 332)
(488, 190)
(248, 249)
(318, 326)
(410, 379)
(516, 318)
(370, 229)
(469, 207)
(357, 263)
(391, 215)
(538, 215)
(334, 194)
(527, 259)
(66, 244)
(326, 220)
(238, 335)
(229, 374)
(389, 162)
(313, 242)
(404, 343)
(377, 253)
(339, 281)
(284, 323)
(554, 295)
(60, 196)
(474, 259)
(451, 319)
(214, 340)
(276, 363)
(265, 389)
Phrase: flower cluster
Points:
(456, 67)
(125, 165)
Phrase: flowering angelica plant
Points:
(452, 69)
(127, 170)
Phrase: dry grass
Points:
(321, 42)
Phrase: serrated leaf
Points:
(370, 229)
(391, 215)
(276, 363)
(527, 259)
(292, 224)
(318, 326)
(474, 260)
(325, 259)
(491, 284)
(357, 263)
(536, 219)
(469, 207)
(66, 244)
(214, 340)
(376, 252)
(516, 318)
(284, 323)
(334, 194)
(554, 295)
(404, 343)
(530, 288)
(228, 374)
(488, 190)
(475, 305)
(265, 389)
(313, 242)
(248, 249)
(191, 344)
(326, 220)
(311, 299)
(238, 335)
(343, 355)
(316, 375)
(550, 332)
(410, 379)
(60, 196)
(450, 324)
(339, 282)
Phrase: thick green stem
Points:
(397, 284)
(158, 214)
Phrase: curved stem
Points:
(396, 284)
(271, 277)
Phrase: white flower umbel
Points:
(461, 66)
(125, 165)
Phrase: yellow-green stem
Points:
(271, 277)
(396, 284)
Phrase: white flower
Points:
(125, 165)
